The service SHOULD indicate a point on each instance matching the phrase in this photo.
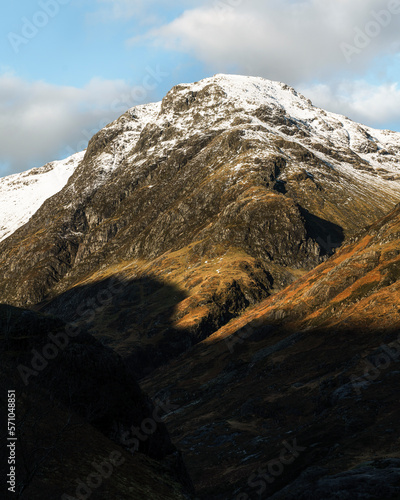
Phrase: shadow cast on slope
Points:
(273, 383)
(132, 316)
(328, 235)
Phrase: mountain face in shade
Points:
(227, 191)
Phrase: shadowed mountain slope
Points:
(316, 363)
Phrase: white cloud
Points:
(287, 40)
(40, 121)
(374, 105)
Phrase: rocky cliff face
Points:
(227, 190)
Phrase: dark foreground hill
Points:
(76, 408)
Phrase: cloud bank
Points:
(290, 40)
(365, 103)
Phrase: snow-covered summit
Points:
(266, 109)
(250, 93)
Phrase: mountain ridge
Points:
(273, 92)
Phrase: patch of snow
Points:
(21, 195)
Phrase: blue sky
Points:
(68, 67)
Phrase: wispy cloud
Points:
(111, 10)
(143, 11)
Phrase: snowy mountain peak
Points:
(253, 90)
(244, 91)
(218, 100)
